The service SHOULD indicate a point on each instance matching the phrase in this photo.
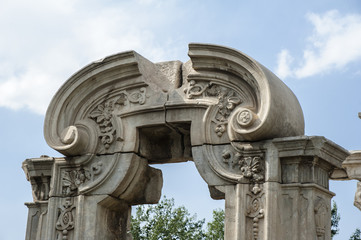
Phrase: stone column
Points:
(274, 189)
(90, 196)
(38, 172)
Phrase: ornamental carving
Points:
(251, 168)
(245, 117)
(38, 171)
(74, 178)
(103, 114)
(321, 216)
(65, 222)
(40, 188)
(227, 100)
(255, 209)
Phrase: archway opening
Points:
(168, 148)
(166, 143)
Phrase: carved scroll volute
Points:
(82, 118)
(75, 139)
(67, 127)
(261, 107)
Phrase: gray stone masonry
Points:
(118, 117)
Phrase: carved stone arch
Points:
(221, 109)
(238, 94)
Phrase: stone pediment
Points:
(221, 95)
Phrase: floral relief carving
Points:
(250, 167)
(65, 222)
(227, 100)
(103, 114)
(74, 178)
(103, 117)
(255, 210)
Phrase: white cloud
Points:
(44, 42)
(284, 60)
(334, 44)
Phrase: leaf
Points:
(167, 222)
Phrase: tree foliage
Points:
(356, 235)
(215, 228)
(166, 222)
(335, 219)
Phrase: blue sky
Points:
(313, 46)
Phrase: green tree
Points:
(335, 219)
(167, 222)
(215, 228)
(356, 235)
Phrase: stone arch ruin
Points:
(240, 124)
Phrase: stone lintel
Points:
(314, 146)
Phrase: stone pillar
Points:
(274, 189)
(36, 220)
(90, 196)
(38, 172)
